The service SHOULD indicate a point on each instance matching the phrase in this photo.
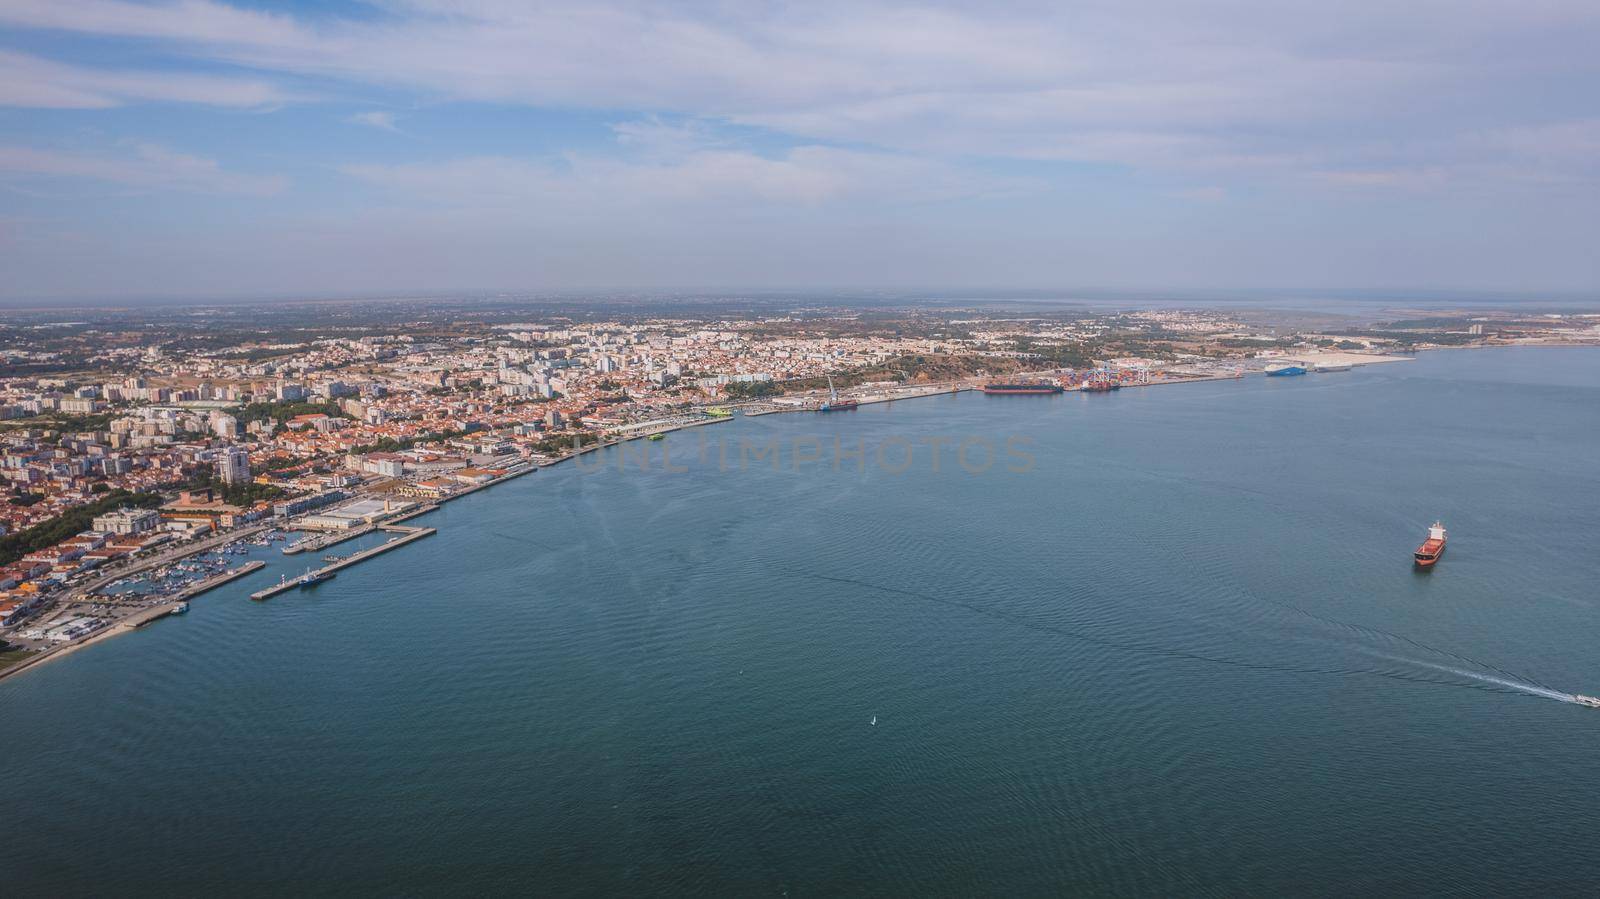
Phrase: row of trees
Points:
(745, 390)
(245, 495)
(391, 445)
(54, 530)
(282, 412)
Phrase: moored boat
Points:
(1282, 371)
(313, 578)
(834, 403)
(1432, 548)
(1024, 389)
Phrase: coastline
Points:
(409, 534)
(138, 620)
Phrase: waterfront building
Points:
(306, 503)
(124, 522)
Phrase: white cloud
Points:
(146, 167)
(29, 81)
(189, 20)
(655, 137)
(1208, 194)
(1247, 88)
(727, 179)
(381, 120)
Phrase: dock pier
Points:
(323, 541)
(190, 592)
(407, 535)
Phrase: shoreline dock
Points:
(323, 541)
(139, 619)
(407, 535)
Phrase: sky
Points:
(197, 148)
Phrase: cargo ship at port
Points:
(1284, 371)
(1100, 386)
(1432, 548)
(1020, 389)
(834, 404)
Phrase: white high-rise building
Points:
(233, 466)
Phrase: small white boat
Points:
(874, 721)
(1589, 701)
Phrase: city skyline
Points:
(187, 150)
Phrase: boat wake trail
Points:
(1510, 682)
(1460, 678)
(1380, 633)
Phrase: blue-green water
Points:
(1183, 653)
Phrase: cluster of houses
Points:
(24, 583)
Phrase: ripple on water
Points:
(1183, 654)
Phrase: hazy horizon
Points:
(1367, 303)
(166, 151)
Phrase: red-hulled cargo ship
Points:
(1432, 548)
(834, 403)
(1020, 389)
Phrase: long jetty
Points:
(215, 581)
(407, 535)
(323, 541)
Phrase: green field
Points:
(7, 659)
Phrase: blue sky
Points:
(194, 148)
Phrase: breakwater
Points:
(407, 535)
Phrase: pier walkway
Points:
(407, 535)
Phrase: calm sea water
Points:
(1182, 652)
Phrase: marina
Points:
(316, 576)
(322, 541)
(95, 630)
